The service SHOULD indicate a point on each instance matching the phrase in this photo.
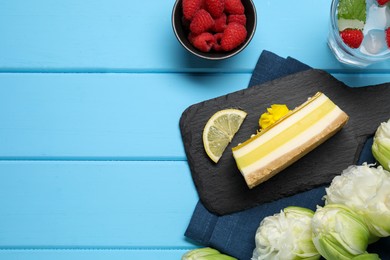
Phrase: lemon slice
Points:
(220, 130)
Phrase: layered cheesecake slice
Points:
(291, 137)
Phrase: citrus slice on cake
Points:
(220, 130)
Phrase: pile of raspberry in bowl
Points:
(215, 25)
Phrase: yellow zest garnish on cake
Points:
(273, 114)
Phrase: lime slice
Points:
(220, 130)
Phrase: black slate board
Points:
(222, 188)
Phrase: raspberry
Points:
(237, 18)
(352, 37)
(203, 42)
(234, 7)
(217, 42)
(388, 37)
(215, 7)
(190, 7)
(201, 22)
(220, 23)
(191, 37)
(383, 2)
(233, 36)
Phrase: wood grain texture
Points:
(95, 205)
(80, 173)
(125, 36)
(101, 116)
(55, 116)
(109, 116)
(97, 254)
(221, 187)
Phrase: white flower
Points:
(286, 236)
(366, 190)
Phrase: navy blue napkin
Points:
(234, 234)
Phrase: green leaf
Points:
(352, 9)
(381, 152)
(206, 253)
(331, 250)
(217, 257)
(298, 211)
(366, 257)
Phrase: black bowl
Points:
(182, 33)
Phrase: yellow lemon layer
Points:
(273, 149)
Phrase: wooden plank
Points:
(101, 254)
(130, 205)
(361, 79)
(108, 116)
(123, 36)
(101, 116)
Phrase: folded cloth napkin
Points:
(234, 234)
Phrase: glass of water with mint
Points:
(360, 31)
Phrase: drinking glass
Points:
(374, 47)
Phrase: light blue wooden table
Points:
(92, 164)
